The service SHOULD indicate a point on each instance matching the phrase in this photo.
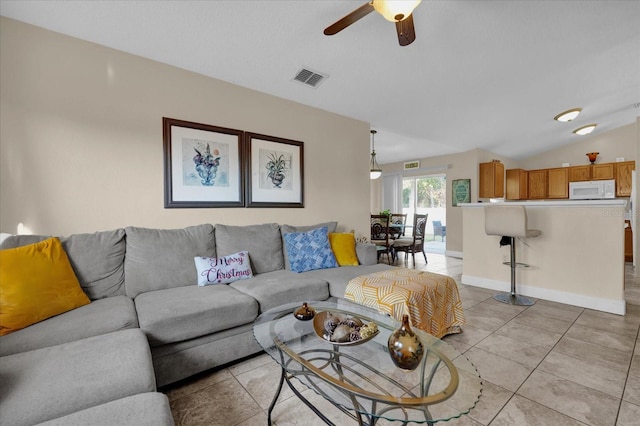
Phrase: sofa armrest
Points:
(367, 253)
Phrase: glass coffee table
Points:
(361, 379)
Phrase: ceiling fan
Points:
(398, 11)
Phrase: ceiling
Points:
(481, 74)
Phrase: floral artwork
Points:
(205, 163)
(276, 167)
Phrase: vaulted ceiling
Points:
(481, 74)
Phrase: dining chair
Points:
(438, 229)
(398, 224)
(381, 236)
(415, 243)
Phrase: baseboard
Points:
(451, 253)
(600, 304)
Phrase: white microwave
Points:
(592, 190)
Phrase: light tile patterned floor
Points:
(548, 364)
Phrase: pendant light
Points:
(375, 171)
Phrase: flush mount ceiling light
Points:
(585, 130)
(568, 115)
(375, 171)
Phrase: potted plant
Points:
(277, 166)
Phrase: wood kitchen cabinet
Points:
(538, 184)
(517, 184)
(558, 183)
(602, 171)
(623, 177)
(579, 173)
(491, 180)
(628, 242)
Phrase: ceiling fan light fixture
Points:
(585, 130)
(374, 171)
(395, 10)
(568, 115)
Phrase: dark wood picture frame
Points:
(274, 171)
(203, 165)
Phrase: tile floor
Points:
(548, 364)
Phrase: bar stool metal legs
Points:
(513, 298)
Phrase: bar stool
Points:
(509, 222)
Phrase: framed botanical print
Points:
(203, 165)
(275, 171)
(461, 191)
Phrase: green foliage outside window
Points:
(431, 192)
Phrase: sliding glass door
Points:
(426, 195)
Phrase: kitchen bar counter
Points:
(578, 259)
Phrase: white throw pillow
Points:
(223, 270)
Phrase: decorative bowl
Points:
(318, 327)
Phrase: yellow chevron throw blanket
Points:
(431, 300)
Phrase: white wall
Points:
(81, 140)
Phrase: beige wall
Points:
(81, 140)
(620, 142)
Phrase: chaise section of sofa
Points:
(55, 381)
(144, 409)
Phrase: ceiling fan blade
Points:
(343, 23)
(406, 31)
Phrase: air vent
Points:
(309, 78)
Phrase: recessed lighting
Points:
(568, 115)
(585, 130)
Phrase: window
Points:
(427, 194)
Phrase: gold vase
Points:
(405, 347)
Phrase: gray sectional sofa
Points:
(148, 324)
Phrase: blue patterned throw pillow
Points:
(309, 250)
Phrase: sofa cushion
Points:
(182, 313)
(14, 241)
(287, 229)
(144, 409)
(223, 270)
(263, 242)
(278, 287)
(52, 382)
(309, 250)
(163, 258)
(97, 259)
(36, 283)
(99, 317)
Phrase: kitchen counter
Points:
(578, 259)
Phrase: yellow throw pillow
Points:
(36, 283)
(344, 248)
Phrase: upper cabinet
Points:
(517, 184)
(538, 184)
(623, 178)
(554, 183)
(491, 180)
(558, 182)
(602, 171)
(579, 173)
